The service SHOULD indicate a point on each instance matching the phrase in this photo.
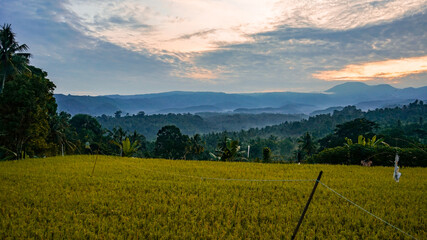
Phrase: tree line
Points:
(190, 124)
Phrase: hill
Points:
(190, 124)
(249, 126)
(351, 93)
(66, 197)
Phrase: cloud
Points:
(175, 26)
(344, 15)
(197, 34)
(183, 26)
(386, 70)
(200, 74)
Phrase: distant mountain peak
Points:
(347, 86)
(355, 87)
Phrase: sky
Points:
(100, 47)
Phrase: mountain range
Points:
(359, 94)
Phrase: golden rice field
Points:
(129, 198)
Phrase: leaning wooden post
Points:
(306, 206)
(93, 169)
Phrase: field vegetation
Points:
(131, 198)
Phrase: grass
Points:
(129, 198)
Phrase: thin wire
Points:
(348, 200)
(260, 180)
(286, 180)
(412, 143)
(234, 179)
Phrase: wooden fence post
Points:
(306, 206)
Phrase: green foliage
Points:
(278, 147)
(60, 134)
(407, 135)
(194, 147)
(170, 143)
(380, 155)
(12, 58)
(87, 127)
(127, 149)
(266, 155)
(87, 130)
(228, 150)
(318, 126)
(361, 140)
(118, 136)
(281, 139)
(350, 130)
(360, 123)
(26, 109)
(118, 114)
(130, 198)
(306, 144)
(410, 113)
(191, 124)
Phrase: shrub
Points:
(380, 156)
(266, 155)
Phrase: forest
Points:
(190, 124)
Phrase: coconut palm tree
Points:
(12, 56)
(228, 150)
(58, 127)
(194, 146)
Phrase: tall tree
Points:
(306, 144)
(12, 56)
(88, 130)
(118, 134)
(59, 134)
(194, 146)
(350, 130)
(170, 143)
(25, 111)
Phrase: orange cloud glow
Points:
(200, 74)
(386, 70)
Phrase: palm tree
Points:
(194, 146)
(228, 150)
(118, 134)
(12, 58)
(59, 125)
(127, 149)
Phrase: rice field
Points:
(131, 198)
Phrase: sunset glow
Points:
(387, 70)
(200, 74)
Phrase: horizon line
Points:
(90, 94)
